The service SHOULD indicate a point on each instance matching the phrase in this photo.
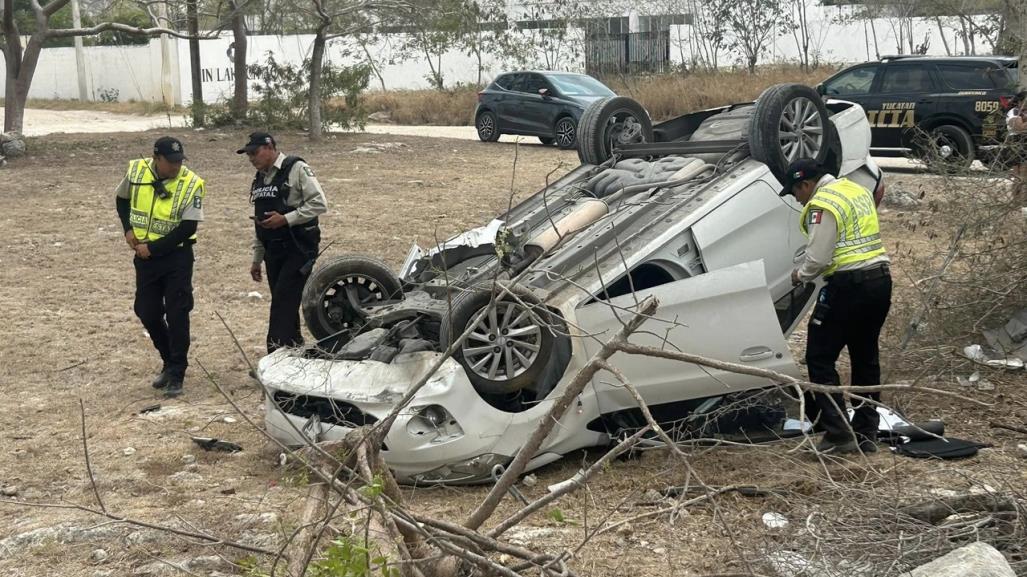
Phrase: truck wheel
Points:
(339, 285)
(509, 346)
(790, 122)
(609, 123)
(949, 148)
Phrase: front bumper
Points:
(446, 434)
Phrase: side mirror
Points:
(821, 90)
(544, 92)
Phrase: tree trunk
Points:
(240, 98)
(371, 63)
(194, 63)
(19, 79)
(317, 56)
(1021, 27)
(944, 41)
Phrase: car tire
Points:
(547, 140)
(948, 148)
(778, 109)
(495, 362)
(566, 131)
(609, 122)
(326, 307)
(487, 126)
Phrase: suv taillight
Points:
(480, 95)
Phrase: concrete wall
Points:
(135, 72)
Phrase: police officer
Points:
(287, 199)
(839, 217)
(1016, 125)
(160, 203)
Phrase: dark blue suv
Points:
(543, 104)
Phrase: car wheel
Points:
(790, 122)
(609, 123)
(488, 128)
(509, 346)
(547, 140)
(566, 131)
(948, 148)
(337, 288)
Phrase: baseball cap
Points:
(170, 148)
(800, 170)
(257, 139)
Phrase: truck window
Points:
(905, 79)
(970, 77)
(856, 81)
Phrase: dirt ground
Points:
(68, 334)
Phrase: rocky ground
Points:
(71, 340)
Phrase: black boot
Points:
(162, 379)
(174, 386)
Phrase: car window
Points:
(906, 79)
(980, 76)
(533, 83)
(515, 82)
(857, 81)
(505, 81)
(579, 85)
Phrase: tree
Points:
(483, 29)
(752, 24)
(432, 28)
(21, 59)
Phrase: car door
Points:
(725, 315)
(537, 109)
(754, 224)
(509, 107)
(903, 93)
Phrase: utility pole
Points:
(194, 62)
(80, 57)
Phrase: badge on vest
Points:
(308, 171)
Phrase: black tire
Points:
(948, 148)
(494, 364)
(772, 140)
(547, 140)
(566, 131)
(608, 123)
(327, 309)
(487, 126)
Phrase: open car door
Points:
(726, 315)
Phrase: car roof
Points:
(921, 58)
(542, 72)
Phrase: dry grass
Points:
(128, 107)
(433, 107)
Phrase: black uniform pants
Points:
(847, 314)
(284, 261)
(164, 297)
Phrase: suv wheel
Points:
(948, 148)
(566, 131)
(488, 129)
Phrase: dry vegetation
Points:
(69, 334)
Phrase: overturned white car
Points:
(689, 210)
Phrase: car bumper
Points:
(448, 434)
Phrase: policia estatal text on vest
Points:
(160, 202)
(287, 200)
(840, 218)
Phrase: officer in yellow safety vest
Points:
(839, 217)
(160, 202)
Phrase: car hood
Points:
(360, 382)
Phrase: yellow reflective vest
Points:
(153, 217)
(859, 233)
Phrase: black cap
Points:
(170, 148)
(800, 170)
(257, 139)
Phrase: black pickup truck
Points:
(948, 109)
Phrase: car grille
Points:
(328, 410)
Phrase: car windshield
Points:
(578, 85)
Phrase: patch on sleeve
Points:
(814, 216)
(308, 171)
(197, 202)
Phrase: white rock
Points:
(188, 459)
(254, 518)
(229, 420)
(9, 491)
(254, 295)
(1021, 449)
(775, 520)
(530, 480)
(98, 556)
(185, 478)
(977, 559)
(102, 573)
(128, 451)
(660, 551)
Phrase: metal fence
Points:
(630, 53)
